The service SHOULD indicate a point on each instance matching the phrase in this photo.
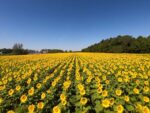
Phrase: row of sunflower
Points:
(75, 82)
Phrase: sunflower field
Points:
(75, 83)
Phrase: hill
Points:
(121, 44)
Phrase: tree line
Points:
(18, 49)
(51, 51)
(121, 44)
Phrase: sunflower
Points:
(146, 89)
(56, 109)
(40, 105)
(43, 95)
(120, 79)
(107, 82)
(126, 98)
(137, 82)
(145, 109)
(120, 109)
(106, 103)
(146, 99)
(138, 107)
(10, 111)
(54, 83)
(118, 92)
(66, 84)
(112, 101)
(38, 85)
(18, 87)
(80, 87)
(31, 91)
(23, 98)
(62, 97)
(48, 91)
(99, 90)
(104, 77)
(29, 81)
(136, 91)
(64, 102)
(31, 108)
(35, 78)
(88, 80)
(2, 87)
(104, 93)
(1, 100)
(10, 92)
(82, 92)
(83, 100)
(146, 82)
(100, 86)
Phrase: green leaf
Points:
(129, 107)
(98, 107)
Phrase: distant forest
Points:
(121, 44)
(18, 49)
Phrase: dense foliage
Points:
(6, 51)
(122, 44)
(18, 49)
(51, 51)
(75, 83)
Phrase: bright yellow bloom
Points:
(56, 109)
(38, 85)
(137, 82)
(120, 79)
(31, 108)
(146, 89)
(136, 91)
(118, 92)
(66, 84)
(40, 105)
(107, 82)
(62, 97)
(10, 92)
(80, 87)
(43, 95)
(146, 99)
(29, 81)
(104, 77)
(82, 92)
(120, 109)
(48, 91)
(138, 107)
(10, 111)
(104, 93)
(146, 82)
(83, 100)
(18, 87)
(54, 83)
(31, 91)
(64, 102)
(23, 98)
(106, 103)
(145, 109)
(99, 90)
(112, 101)
(1, 100)
(35, 78)
(126, 98)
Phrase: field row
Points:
(75, 83)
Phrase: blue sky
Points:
(70, 24)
